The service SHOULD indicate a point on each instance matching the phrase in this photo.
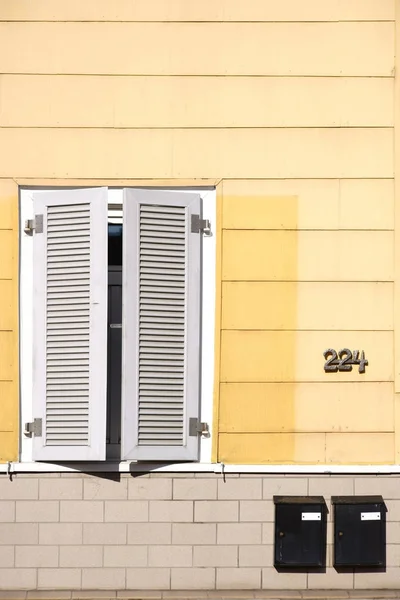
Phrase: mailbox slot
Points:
(300, 531)
(359, 531)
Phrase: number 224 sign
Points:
(344, 360)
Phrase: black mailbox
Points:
(300, 531)
(360, 531)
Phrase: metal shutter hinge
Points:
(200, 225)
(34, 225)
(34, 428)
(198, 428)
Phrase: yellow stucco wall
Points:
(289, 107)
(9, 404)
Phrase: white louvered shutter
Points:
(70, 324)
(161, 325)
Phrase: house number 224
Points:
(344, 360)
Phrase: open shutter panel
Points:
(70, 324)
(161, 325)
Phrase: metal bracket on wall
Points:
(34, 428)
(198, 428)
(200, 225)
(34, 225)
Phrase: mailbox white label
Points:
(310, 516)
(371, 516)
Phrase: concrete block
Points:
(284, 486)
(19, 488)
(149, 533)
(273, 580)
(170, 556)
(215, 556)
(126, 511)
(330, 486)
(148, 579)
(7, 511)
(61, 489)
(195, 489)
(93, 595)
(393, 555)
(393, 510)
(330, 580)
(37, 511)
(378, 485)
(17, 579)
(173, 511)
(149, 489)
(392, 533)
(193, 533)
(81, 556)
(7, 556)
(56, 579)
(239, 489)
(36, 556)
(239, 533)
(125, 556)
(19, 533)
(193, 579)
(268, 530)
(99, 488)
(104, 533)
(50, 595)
(378, 581)
(103, 579)
(256, 556)
(239, 579)
(214, 511)
(83, 511)
(60, 533)
(257, 510)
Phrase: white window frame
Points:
(208, 197)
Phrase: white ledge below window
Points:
(217, 468)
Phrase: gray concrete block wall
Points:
(169, 531)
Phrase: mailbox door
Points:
(300, 541)
(360, 536)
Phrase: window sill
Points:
(217, 468)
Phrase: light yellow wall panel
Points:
(285, 356)
(8, 199)
(7, 307)
(196, 153)
(319, 305)
(7, 239)
(307, 255)
(8, 356)
(341, 48)
(367, 204)
(8, 446)
(321, 204)
(217, 324)
(306, 407)
(9, 408)
(360, 448)
(45, 101)
(264, 448)
(195, 10)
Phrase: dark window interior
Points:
(114, 347)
